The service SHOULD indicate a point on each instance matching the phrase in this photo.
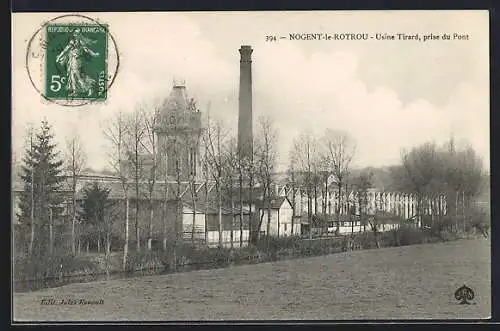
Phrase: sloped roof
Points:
(179, 111)
(212, 208)
(275, 203)
(117, 191)
(256, 192)
(200, 208)
(177, 99)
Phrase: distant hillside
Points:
(381, 179)
(381, 176)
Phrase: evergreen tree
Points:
(41, 200)
(94, 213)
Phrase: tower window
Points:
(193, 161)
(171, 161)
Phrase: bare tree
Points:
(240, 166)
(177, 154)
(250, 169)
(429, 169)
(317, 179)
(192, 148)
(163, 169)
(115, 132)
(206, 174)
(113, 213)
(349, 201)
(194, 195)
(318, 182)
(230, 167)
(362, 183)
(31, 149)
(206, 168)
(421, 167)
(340, 150)
(266, 162)
(324, 178)
(292, 183)
(213, 139)
(304, 151)
(136, 133)
(464, 174)
(165, 202)
(75, 162)
(151, 119)
(374, 222)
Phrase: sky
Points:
(387, 94)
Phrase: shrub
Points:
(406, 235)
(316, 247)
(273, 247)
(247, 253)
(207, 256)
(367, 240)
(447, 235)
(221, 256)
(143, 260)
(481, 220)
(304, 247)
(52, 266)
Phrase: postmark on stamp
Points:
(72, 60)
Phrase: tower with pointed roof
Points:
(179, 132)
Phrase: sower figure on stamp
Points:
(72, 57)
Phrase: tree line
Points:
(317, 165)
(322, 164)
(139, 160)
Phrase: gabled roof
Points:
(275, 203)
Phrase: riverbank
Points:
(58, 270)
(405, 282)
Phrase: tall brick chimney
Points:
(245, 134)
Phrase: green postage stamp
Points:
(76, 62)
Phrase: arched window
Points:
(171, 161)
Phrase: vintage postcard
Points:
(212, 166)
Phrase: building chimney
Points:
(245, 135)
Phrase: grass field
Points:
(391, 283)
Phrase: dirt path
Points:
(404, 282)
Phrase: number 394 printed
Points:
(76, 59)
